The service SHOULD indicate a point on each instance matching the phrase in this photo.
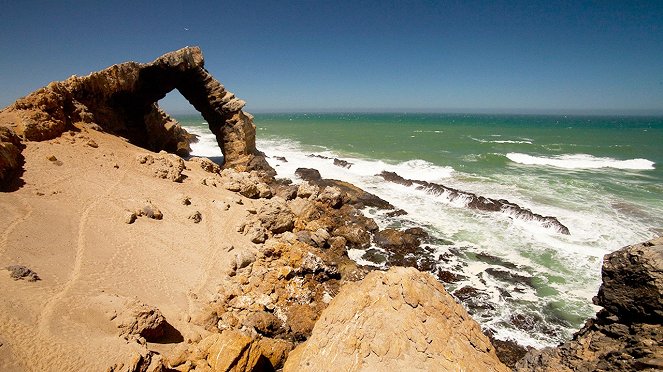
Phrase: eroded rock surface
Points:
(122, 99)
(397, 320)
(478, 202)
(627, 335)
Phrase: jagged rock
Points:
(478, 202)
(627, 334)
(396, 320)
(331, 196)
(136, 319)
(122, 100)
(20, 272)
(206, 164)
(308, 191)
(164, 166)
(275, 216)
(11, 159)
(249, 185)
(351, 194)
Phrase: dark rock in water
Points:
(478, 202)
(395, 240)
(342, 163)
(318, 156)
(397, 213)
(627, 335)
(447, 276)
(493, 260)
(508, 351)
(375, 256)
(20, 272)
(509, 277)
(308, 174)
(281, 158)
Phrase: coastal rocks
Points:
(627, 334)
(20, 272)
(473, 201)
(122, 99)
(11, 159)
(135, 319)
(248, 184)
(396, 320)
(351, 194)
(230, 351)
(165, 166)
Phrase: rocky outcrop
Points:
(352, 194)
(397, 320)
(11, 160)
(478, 202)
(627, 334)
(122, 99)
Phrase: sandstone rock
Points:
(138, 319)
(206, 164)
(11, 159)
(275, 216)
(232, 351)
(306, 190)
(331, 196)
(164, 166)
(398, 320)
(626, 335)
(122, 100)
(392, 239)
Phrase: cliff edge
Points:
(627, 334)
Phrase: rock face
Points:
(397, 320)
(122, 99)
(11, 159)
(627, 335)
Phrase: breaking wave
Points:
(580, 161)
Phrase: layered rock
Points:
(397, 320)
(478, 202)
(122, 99)
(627, 334)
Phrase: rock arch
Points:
(122, 99)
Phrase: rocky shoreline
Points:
(276, 288)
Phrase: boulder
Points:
(11, 159)
(627, 334)
(137, 319)
(397, 320)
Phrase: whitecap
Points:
(580, 161)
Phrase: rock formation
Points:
(122, 99)
(397, 320)
(627, 334)
(478, 202)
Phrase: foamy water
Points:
(563, 271)
(580, 161)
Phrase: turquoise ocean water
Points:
(602, 177)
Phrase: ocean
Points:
(601, 177)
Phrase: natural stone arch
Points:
(122, 99)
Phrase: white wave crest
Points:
(580, 161)
(522, 141)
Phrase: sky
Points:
(426, 56)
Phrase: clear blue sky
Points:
(359, 55)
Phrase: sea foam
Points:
(580, 161)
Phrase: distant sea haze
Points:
(600, 176)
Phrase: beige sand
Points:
(67, 223)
